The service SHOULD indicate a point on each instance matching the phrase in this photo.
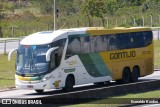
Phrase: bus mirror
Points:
(10, 54)
(48, 54)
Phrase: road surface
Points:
(10, 45)
(32, 94)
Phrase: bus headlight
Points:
(47, 78)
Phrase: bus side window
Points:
(147, 38)
(74, 47)
(119, 41)
(99, 44)
(112, 43)
(137, 39)
(85, 44)
(60, 44)
(105, 42)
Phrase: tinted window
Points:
(147, 38)
(112, 45)
(123, 41)
(136, 39)
(59, 52)
(99, 44)
(74, 46)
(85, 44)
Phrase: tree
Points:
(93, 8)
(1, 8)
(46, 6)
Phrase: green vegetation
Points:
(7, 72)
(112, 101)
(23, 17)
(157, 54)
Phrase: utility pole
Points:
(151, 20)
(55, 14)
(143, 20)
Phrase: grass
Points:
(112, 101)
(7, 71)
(157, 54)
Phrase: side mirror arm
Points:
(48, 54)
(10, 54)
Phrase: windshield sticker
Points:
(26, 46)
(33, 47)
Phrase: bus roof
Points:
(117, 30)
(46, 37)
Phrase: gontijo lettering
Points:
(121, 55)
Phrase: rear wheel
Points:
(39, 91)
(69, 84)
(135, 74)
(126, 77)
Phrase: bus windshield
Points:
(32, 59)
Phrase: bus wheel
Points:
(126, 77)
(135, 74)
(39, 91)
(69, 84)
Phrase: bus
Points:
(64, 58)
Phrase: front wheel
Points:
(69, 84)
(39, 91)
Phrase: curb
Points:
(8, 89)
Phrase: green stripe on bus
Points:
(94, 64)
(89, 65)
(99, 64)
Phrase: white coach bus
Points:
(68, 57)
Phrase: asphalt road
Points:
(32, 94)
(10, 45)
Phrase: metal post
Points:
(116, 22)
(151, 20)
(134, 21)
(5, 47)
(125, 20)
(78, 22)
(143, 20)
(159, 18)
(107, 21)
(19, 42)
(12, 31)
(55, 13)
(158, 34)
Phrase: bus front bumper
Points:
(30, 85)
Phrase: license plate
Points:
(30, 86)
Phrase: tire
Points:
(135, 74)
(39, 91)
(126, 77)
(118, 81)
(69, 84)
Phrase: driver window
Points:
(52, 61)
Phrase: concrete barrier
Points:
(101, 93)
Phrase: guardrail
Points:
(4, 42)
